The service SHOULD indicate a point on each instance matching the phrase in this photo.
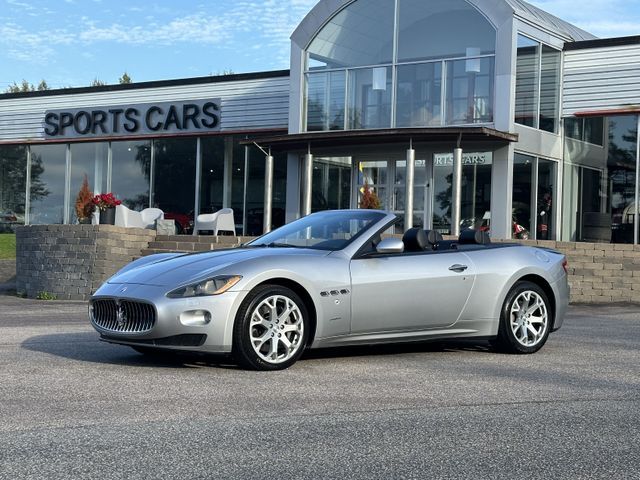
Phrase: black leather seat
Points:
(415, 240)
(433, 239)
(474, 237)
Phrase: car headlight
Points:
(204, 288)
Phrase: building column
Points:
(227, 183)
(307, 183)
(502, 192)
(268, 193)
(409, 182)
(456, 197)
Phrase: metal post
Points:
(636, 207)
(409, 181)
(27, 198)
(66, 215)
(268, 193)
(456, 199)
(307, 181)
(198, 179)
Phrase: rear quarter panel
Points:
(497, 270)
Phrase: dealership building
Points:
(453, 113)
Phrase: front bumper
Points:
(174, 327)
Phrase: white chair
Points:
(125, 217)
(222, 220)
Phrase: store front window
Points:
(90, 160)
(600, 180)
(174, 173)
(13, 184)
(533, 200)
(47, 184)
(131, 167)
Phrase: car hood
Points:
(175, 271)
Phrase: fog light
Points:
(194, 318)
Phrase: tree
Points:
(24, 86)
(42, 86)
(124, 79)
(96, 82)
(84, 204)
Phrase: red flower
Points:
(106, 200)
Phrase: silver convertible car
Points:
(332, 279)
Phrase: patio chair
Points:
(222, 220)
(125, 217)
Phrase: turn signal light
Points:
(565, 265)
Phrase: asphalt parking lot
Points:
(72, 407)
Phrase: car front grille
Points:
(123, 316)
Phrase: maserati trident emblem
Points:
(121, 316)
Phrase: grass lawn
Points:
(7, 245)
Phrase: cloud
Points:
(603, 18)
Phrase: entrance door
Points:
(385, 180)
(475, 208)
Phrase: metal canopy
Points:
(302, 141)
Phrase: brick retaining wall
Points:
(71, 261)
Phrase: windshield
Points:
(331, 230)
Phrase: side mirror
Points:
(390, 245)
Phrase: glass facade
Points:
(600, 179)
(90, 160)
(47, 185)
(353, 82)
(159, 172)
(131, 172)
(537, 85)
(13, 185)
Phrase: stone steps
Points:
(192, 243)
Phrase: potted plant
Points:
(369, 198)
(84, 202)
(106, 203)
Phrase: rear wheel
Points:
(271, 329)
(525, 321)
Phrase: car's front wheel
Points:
(271, 329)
(525, 321)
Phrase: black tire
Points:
(532, 334)
(256, 358)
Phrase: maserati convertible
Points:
(334, 278)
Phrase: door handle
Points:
(458, 268)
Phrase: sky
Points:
(69, 43)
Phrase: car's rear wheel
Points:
(525, 321)
(271, 329)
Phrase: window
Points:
(88, 159)
(537, 85)
(48, 167)
(589, 129)
(130, 167)
(441, 29)
(13, 183)
(351, 75)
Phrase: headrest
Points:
(477, 237)
(433, 238)
(415, 239)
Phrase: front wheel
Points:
(271, 329)
(525, 321)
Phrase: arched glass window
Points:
(442, 29)
(355, 79)
(360, 34)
